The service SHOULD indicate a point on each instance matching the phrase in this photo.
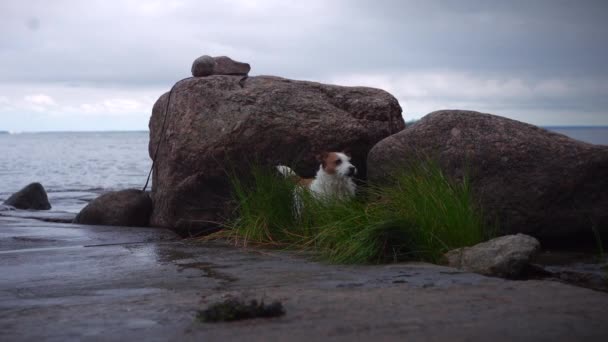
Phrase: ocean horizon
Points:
(549, 127)
(593, 134)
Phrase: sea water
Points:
(76, 167)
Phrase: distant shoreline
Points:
(574, 127)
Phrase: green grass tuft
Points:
(440, 212)
(264, 207)
(420, 215)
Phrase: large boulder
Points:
(218, 124)
(33, 196)
(526, 178)
(129, 207)
(505, 256)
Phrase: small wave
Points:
(6, 207)
(95, 189)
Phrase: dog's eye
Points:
(339, 161)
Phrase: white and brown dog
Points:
(334, 179)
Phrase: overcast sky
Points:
(100, 65)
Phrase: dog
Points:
(334, 179)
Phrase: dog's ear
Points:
(321, 157)
(347, 152)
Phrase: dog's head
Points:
(337, 163)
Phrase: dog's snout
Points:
(352, 170)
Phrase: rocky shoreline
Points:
(528, 180)
(525, 178)
(63, 281)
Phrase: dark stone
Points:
(32, 196)
(530, 180)
(118, 208)
(203, 66)
(216, 123)
(234, 309)
(227, 66)
(222, 65)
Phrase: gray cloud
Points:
(535, 56)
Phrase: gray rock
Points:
(33, 196)
(526, 178)
(203, 66)
(118, 208)
(505, 256)
(226, 66)
(217, 123)
(222, 65)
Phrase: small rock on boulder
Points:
(222, 65)
(32, 196)
(203, 66)
(506, 256)
(227, 66)
(524, 177)
(118, 208)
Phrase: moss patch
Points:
(235, 309)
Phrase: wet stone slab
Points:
(62, 282)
